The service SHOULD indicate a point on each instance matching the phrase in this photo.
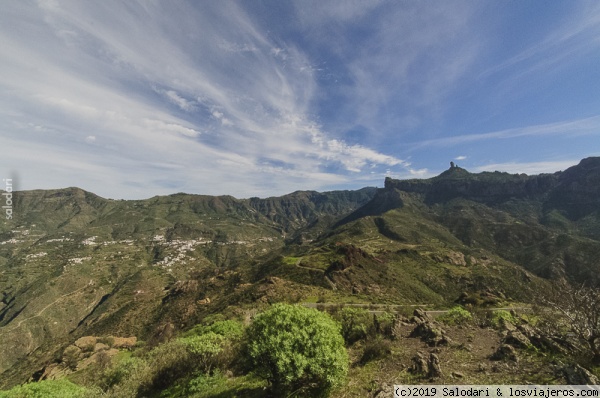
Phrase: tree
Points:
(580, 306)
(298, 349)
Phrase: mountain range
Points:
(74, 264)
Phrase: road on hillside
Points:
(396, 307)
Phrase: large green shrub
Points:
(205, 348)
(297, 349)
(46, 389)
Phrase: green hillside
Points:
(73, 264)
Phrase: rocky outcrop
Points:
(505, 352)
(578, 375)
(427, 330)
(87, 351)
(575, 191)
(426, 366)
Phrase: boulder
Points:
(430, 334)
(429, 367)
(86, 343)
(419, 364)
(420, 316)
(505, 352)
(100, 347)
(124, 342)
(435, 370)
(578, 375)
(517, 339)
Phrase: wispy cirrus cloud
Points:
(411, 56)
(577, 33)
(263, 98)
(586, 126)
(124, 85)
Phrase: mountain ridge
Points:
(73, 263)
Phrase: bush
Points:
(229, 329)
(205, 348)
(71, 357)
(384, 323)
(46, 389)
(297, 348)
(376, 348)
(456, 316)
(355, 324)
(166, 364)
(499, 318)
(122, 371)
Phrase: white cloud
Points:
(586, 126)
(110, 77)
(461, 157)
(179, 101)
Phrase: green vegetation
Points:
(297, 348)
(499, 318)
(187, 275)
(355, 324)
(456, 316)
(46, 389)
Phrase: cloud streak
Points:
(586, 126)
(138, 82)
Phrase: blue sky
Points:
(134, 99)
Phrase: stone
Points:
(86, 343)
(419, 316)
(124, 342)
(430, 334)
(385, 391)
(100, 347)
(419, 364)
(517, 339)
(578, 375)
(505, 352)
(434, 366)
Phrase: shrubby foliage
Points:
(355, 324)
(298, 348)
(457, 316)
(499, 318)
(577, 309)
(46, 389)
(375, 348)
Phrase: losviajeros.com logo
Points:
(8, 204)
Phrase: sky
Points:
(132, 99)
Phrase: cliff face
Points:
(484, 187)
(575, 191)
(546, 223)
(578, 191)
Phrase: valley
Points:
(73, 264)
